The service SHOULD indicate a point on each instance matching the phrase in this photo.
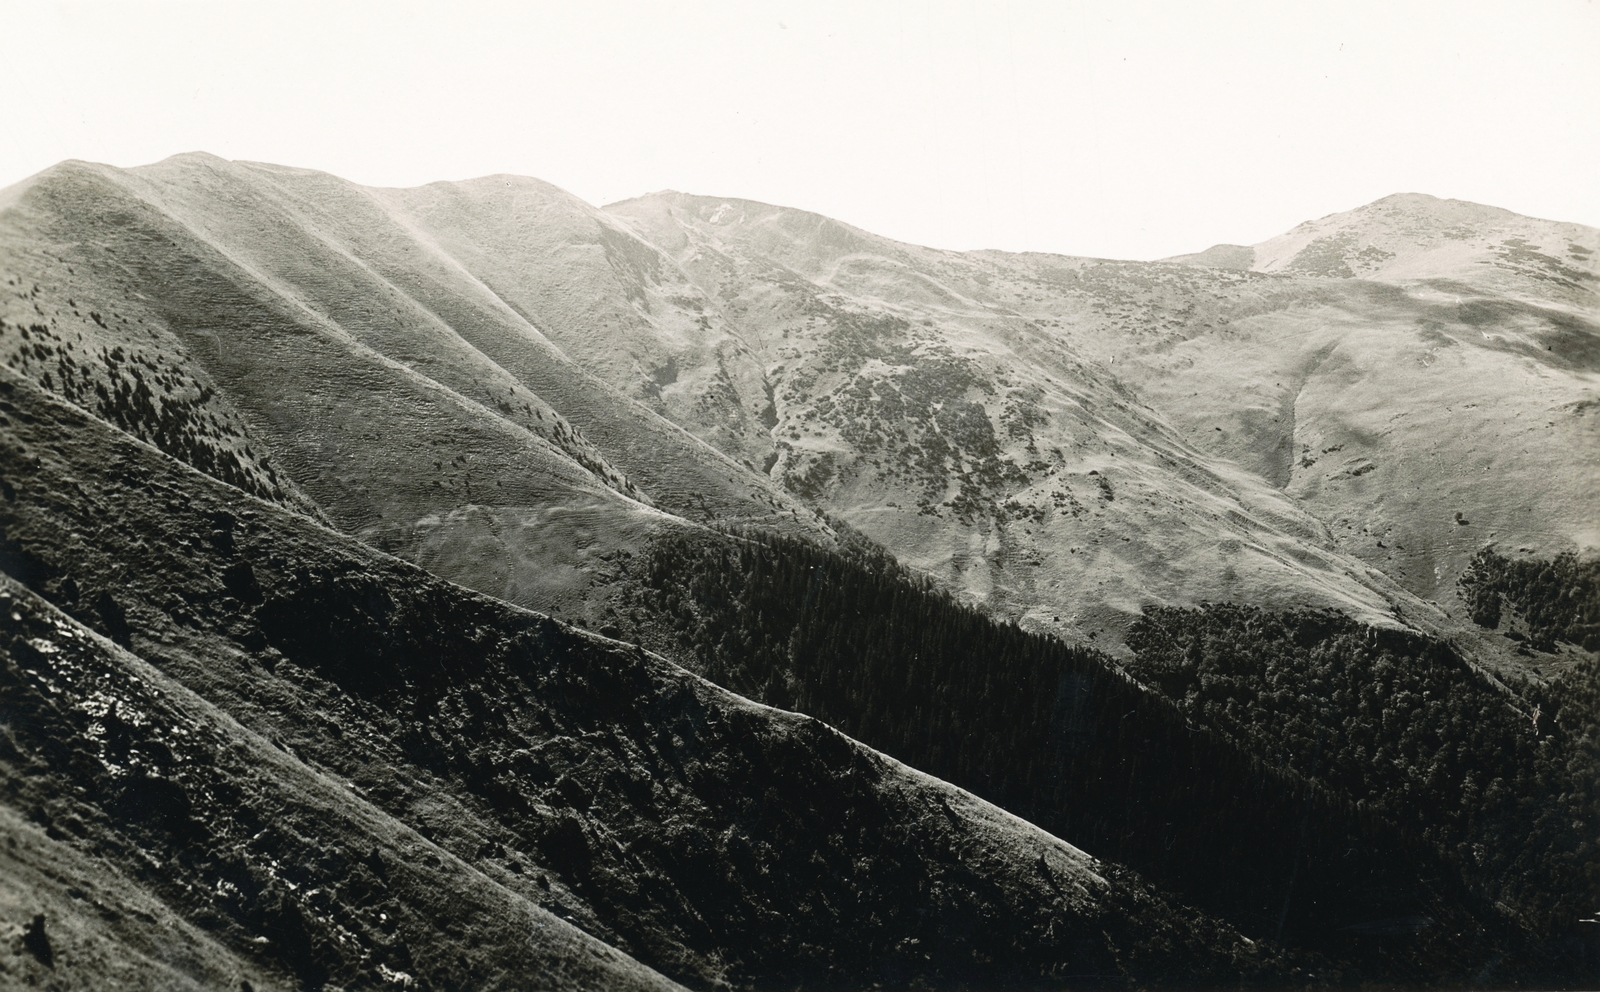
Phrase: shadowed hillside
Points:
(1064, 738)
(546, 770)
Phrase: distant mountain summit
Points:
(1414, 236)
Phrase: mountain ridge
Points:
(360, 469)
(1117, 344)
(1166, 333)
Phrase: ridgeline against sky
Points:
(1103, 129)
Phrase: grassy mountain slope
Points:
(1392, 418)
(1411, 236)
(1069, 440)
(712, 839)
(612, 302)
(1437, 364)
(375, 231)
(920, 400)
(338, 349)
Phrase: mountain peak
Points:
(1407, 236)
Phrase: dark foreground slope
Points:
(447, 773)
(1300, 854)
(167, 847)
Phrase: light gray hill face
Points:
(1413, 236)
(1434, 389)
(269, 325)
(608, 299)
(918, 399)
(1272, 429)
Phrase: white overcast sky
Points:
(1117, 129)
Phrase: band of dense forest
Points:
(1197, 796)
(1503, 779)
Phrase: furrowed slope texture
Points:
(939, 402)
(351, 350)
(614, 303)
(90, 337)
(713, 839)
(366, 239)
(1063, 738)
(175, 849)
